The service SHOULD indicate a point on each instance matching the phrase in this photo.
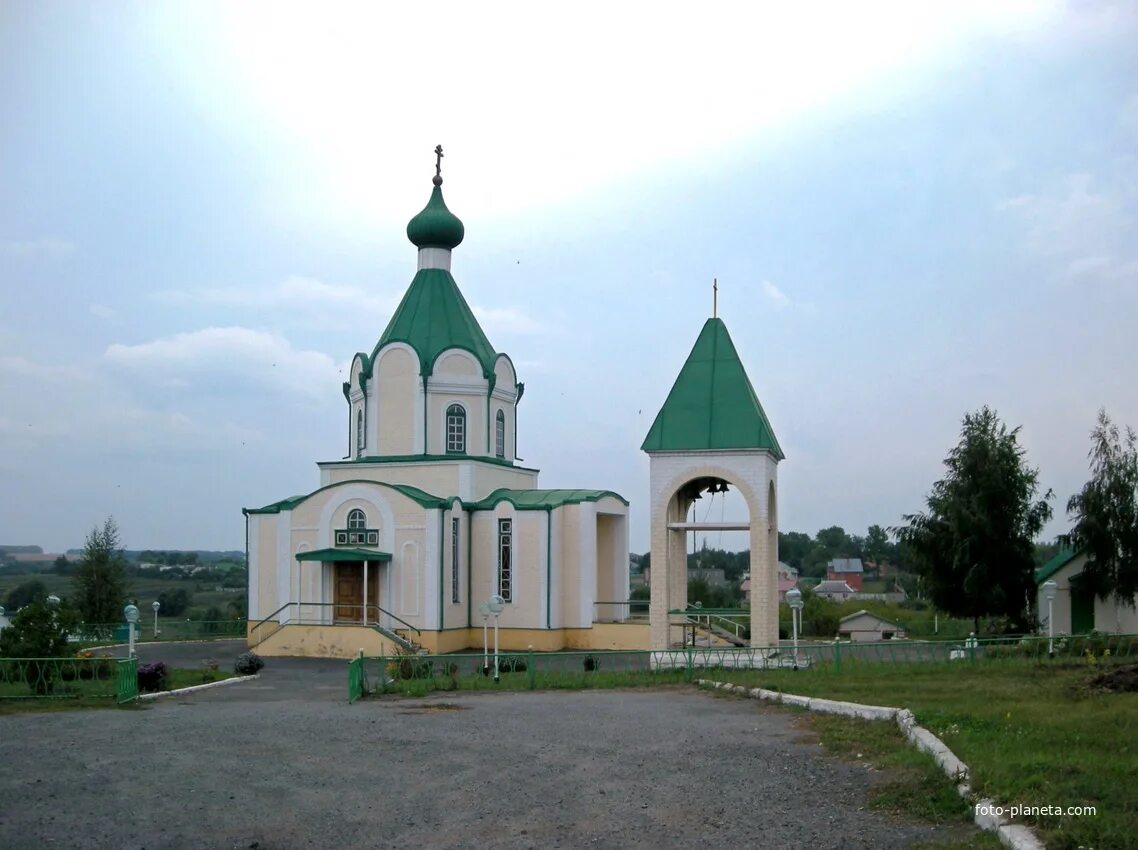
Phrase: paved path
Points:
(285, 762)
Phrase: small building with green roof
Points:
(1075, 609)
(429, 514)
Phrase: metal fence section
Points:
(126, 680)
(419, 674)
(57, 678)
(357, 683)
(167, 630)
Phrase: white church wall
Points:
(397, 387)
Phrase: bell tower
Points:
(712, 435)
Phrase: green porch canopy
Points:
(344, 555)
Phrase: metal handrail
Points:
(387, 613)
(300, 620)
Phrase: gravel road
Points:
(284, 762)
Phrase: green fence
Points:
(419, 674)
(126, 680)
(356, 682)
(167, 630)
(57, 678)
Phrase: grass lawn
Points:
(16, 697)
(914, 788)
(1033, 734)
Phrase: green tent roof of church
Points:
(712, 405)
(433, 317)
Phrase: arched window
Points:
(500, 434)
(360, 439)
(357, 519)
(456, 429)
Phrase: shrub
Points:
(152, 677)
(591, 664)
(511, 664)
(248, 663)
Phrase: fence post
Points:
(691, 664)
(837, 655)
(971, 646)
(532, 678)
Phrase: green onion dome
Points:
(435, 226)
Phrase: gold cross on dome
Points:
(438, 160)
(714, 297)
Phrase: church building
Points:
(430, 515)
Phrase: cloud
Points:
(1086, 233)
(101, 311)
(19, 366)
(291, 292)
(50, 247)
(508, 320)
(775, 295)
(221, 360)
(295, 301)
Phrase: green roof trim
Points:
(1060, 559)
(436, 226)
(344, 555)
(427, 500)
(712, 405)
(453, 458)
(540, 500)
(434, 317)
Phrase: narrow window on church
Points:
(360, 433)
(500, 432)
(456, 429)
(505, 560)
(454, 560)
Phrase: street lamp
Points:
(155, 605)
(130, 612)
(1049, 590)
(484, 610)
(794, 600)
(496, 605)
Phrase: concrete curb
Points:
(1016, 836)
(230, 681)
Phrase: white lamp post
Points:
(496, 605)
(155, 605)
(1049, 590)
(130, 612)
(794, 600)
(484, 610)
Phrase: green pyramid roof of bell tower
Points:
(712, 405)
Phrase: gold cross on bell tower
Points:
(438, 160)
(714, 297)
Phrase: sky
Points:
(912, 211)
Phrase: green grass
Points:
(16, 697)
(1032, 734)
(913, 788)
(556, 680)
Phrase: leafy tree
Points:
(974, 546)
(62, 566)
(793, 547)
(174, 602)
(100, 577)
(38, 631)
(876, 546)
(1106, 514)
(24, 594)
